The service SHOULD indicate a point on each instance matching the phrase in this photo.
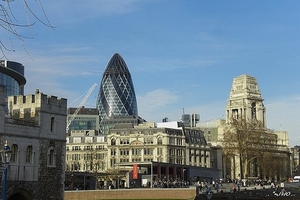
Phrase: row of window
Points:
(137, 152)
(29, 155)
(86, 166)
(98, 156)
(79, 148)
(175, 141)
(148, 140)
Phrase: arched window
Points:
(29, 153)
(52, 124)
(14, 153)
(253, 110)
(113, 141)
(51, 157)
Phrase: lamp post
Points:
(5, 155)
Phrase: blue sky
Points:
(181, 54)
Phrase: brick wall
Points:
(164, 193)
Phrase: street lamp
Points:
(5, 155)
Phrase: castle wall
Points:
(39, 122)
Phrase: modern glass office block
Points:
(116, 95)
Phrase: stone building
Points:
(86, 156)
(35, 130)
(161, 151)
(245, 101)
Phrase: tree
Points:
(250, 141)
(11, 24)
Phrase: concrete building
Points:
(35, 130)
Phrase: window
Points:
(124, 152)
(159, 140)
(76, 148)
(28, 156)
(148, 140)
(113, 141)
(124, 141)
(88, 148)
(113, 152)
(99, 156)
(52, 124)
(14, 153)
(136, 152)
(99, 147)
(75, 157)
(75, 166)
(51, 157)
(87, 157)
(76, 140)
(159, 151)
(148, 151)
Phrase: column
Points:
(202, 158)
(167, 172)
(174, 172)
(158, 171)
(198, 158)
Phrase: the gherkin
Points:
(116, 95)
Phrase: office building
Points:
(12, 76)
(86, 119)
(116, 97)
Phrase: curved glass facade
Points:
(12, 77)
(116, 95)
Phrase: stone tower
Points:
(35, 130)
(245, 100)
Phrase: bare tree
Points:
(11, 24)
(251, 142)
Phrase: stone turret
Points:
(36, 131)
(245, 100)
(47, 112)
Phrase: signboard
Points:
(135, 171)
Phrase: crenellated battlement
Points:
(29, 105)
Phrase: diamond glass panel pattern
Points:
(116, 96)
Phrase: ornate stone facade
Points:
(169, 146)
(245, 100)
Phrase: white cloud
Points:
(155, 100)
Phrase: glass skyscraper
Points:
(12, 77)
(116, 95)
